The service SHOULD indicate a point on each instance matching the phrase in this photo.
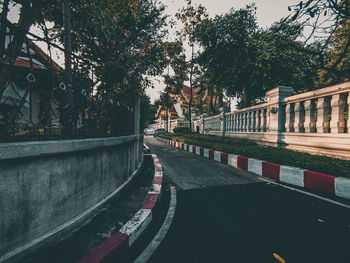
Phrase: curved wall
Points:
(48, 188)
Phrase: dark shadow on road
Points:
(250, 222)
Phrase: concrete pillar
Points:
(239, 121)
(323, 109)
(275, 113)
(258, 121)
(235, 122)
(245, 121)
(249, 120)
(289, 124)
(267, 120)
(337, 118)
(203, 116)
(309, 120)
(348, 124)
(224, 123)
(299, 116)
(263, 120)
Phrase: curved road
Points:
(228, 215)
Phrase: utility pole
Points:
(67, 100)
(191, 90)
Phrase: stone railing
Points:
(315, 121)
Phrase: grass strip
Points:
(247, 148)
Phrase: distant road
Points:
(228, 215)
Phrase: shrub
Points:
(181, 129)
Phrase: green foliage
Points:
(181, 129)
(243, 61)
(283, 156)
(148, 112)
(116, 45)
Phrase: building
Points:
(178, 113)
(27, 103)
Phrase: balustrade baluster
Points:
(309, 121)
(263, 120)
(258, 121)
(323, 110)
(348, 121)
(230, 122)
(267, 128)
(289, 125)
(299, 116)
(337, 117)
(249, 120)
(245, 121)
(239, 122)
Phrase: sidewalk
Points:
(102, 226)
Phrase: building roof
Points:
(187, 90)
(39, 57)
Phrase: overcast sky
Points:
(268, 12)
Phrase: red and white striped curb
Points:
(338, 186)
(128, 234)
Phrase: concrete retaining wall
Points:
(49, 188)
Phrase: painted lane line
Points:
(304, 192)
(152, 247)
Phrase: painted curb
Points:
(338, 186)
(131, 231)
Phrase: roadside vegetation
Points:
(251, 149)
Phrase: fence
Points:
(315, 121)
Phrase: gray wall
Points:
(49, 187)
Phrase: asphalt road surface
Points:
(227, 215)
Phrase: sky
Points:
(268, 12)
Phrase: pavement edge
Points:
(338, 186)
(131, 231)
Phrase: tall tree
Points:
(243, 61)
(190, 16)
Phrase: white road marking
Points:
(152, 247)
(307, 193)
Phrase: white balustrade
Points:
(337, 117)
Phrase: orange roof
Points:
(187, 90)
(24, 63)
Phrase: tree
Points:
(228, 55)
(190, 16)
(327, 19)
(117, 43)
(29, 13)
(243, 61)
(166, 100)
(148, 111)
